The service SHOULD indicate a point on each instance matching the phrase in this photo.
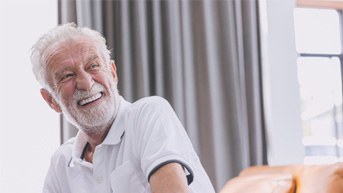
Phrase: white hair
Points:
(59, 34)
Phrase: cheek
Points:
(66, 93)
(104, 78)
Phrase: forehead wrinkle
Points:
(51, 53)
(91, 46)
(67, 52)
(90, 49)
(48, 58)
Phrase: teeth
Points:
(90, 99)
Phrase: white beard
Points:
(96, 119)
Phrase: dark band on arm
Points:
(189, 176)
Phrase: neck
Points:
(96, 135)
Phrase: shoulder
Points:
(153, 103)
(152, 100)
(147, 115)
(64, 152)
(151, 109)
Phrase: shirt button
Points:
(99, 179)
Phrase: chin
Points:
(92, 120)
(97, 118)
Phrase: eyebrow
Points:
(91, 58)
(59, 73)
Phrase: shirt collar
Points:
(117, 129)
(114, 135)
(79, 144)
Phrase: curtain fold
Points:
(203, 56)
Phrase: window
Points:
(319, 47)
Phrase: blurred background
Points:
(254, 82)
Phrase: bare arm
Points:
(169, 179)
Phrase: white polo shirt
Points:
(145, 136)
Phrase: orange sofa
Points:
(288, 179)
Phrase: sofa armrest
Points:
(320, 179)
(256, 170)
(288, 179)
(260, 183)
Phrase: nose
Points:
(84, 81)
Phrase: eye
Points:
(66, 77)
(94, 66)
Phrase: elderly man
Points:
(120, 147)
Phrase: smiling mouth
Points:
(90, 99)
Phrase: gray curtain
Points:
(203, 56)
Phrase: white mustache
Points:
(81, 94)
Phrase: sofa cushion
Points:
(262, 183)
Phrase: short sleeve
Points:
(51, 184)
(161, 139)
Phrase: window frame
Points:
(312, 150)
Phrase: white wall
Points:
(29, 130)
(281, 92)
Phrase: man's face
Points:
(84, 85)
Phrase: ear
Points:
(50, 100)
(114, 69)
